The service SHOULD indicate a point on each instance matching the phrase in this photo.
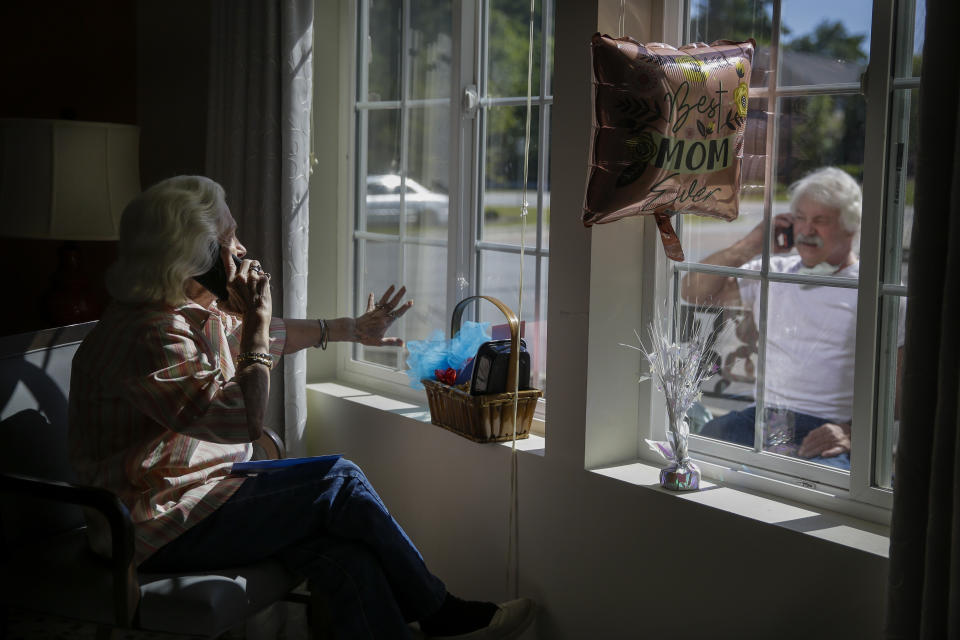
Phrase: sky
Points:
(802, 16)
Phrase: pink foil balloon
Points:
(668, 131)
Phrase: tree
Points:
(831, 40)
(732, 20)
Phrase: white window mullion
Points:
(878, 95)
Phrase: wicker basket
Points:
(486, 418)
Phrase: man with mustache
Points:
(811, 329)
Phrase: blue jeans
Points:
(737, 427)
(332, 529)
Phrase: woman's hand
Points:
(372, 325)
(248, 287)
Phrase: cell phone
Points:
(215, 280)
(784, 238)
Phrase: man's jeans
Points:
(333, 530)
(737, 427)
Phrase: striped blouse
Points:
(156, 418)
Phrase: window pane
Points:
(903, 172)
(893, 323)
(824, 41)
(428, 172)
(383, 172)
(702, 236)
(431, 48)
(818, 131)
(382, 45)
(503, 182)
(736, 20)
(378, 264)
(425, 276)
(910, 27)
(809, 373)
(508, 38)
(808, 377)
(732, 353)
(499, 277)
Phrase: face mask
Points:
(822, 269)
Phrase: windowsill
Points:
(842, 529)
(534, 443)
(824, 524)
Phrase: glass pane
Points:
(508, 38)
(499, 278)
(701, 236)
(736, 20)
(818, 131)
(809, 373)
(383, 172)
(425, 276)
(732, 354)
(808, 379)
(503, 182)
(428, 172)
(431, 48)
(824, 41)
(910, 27)
(378, 264)
(893, 317)
(538, 335)
(383, 46)
(904, 131)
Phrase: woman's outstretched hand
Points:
(369, 329)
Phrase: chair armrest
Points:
(271, 446)
(126, 589)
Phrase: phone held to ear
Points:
(783, 238)
(215, 280)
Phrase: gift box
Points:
(488, 417)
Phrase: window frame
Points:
(854, 492)
(466, 178)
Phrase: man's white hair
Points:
(834, 188)
(168, 234)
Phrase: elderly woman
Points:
(170, 389)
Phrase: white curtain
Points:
(258, 146)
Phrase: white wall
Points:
(604, 559)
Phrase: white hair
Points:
(168, 234)
(834, 188)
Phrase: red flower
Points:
(447, 376)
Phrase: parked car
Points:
(423, 206)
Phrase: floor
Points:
(283, 621)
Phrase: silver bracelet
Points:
(324, 334)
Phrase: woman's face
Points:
(231, 241)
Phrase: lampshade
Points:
(65, 179)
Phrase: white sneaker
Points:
(511, 619)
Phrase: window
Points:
(439, 122)
(821, 343)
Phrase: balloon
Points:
(668, 131)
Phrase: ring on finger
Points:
(256, 268)
(394, 314)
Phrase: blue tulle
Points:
(436, 352)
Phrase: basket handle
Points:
(514, 333)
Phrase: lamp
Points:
(66, 180)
